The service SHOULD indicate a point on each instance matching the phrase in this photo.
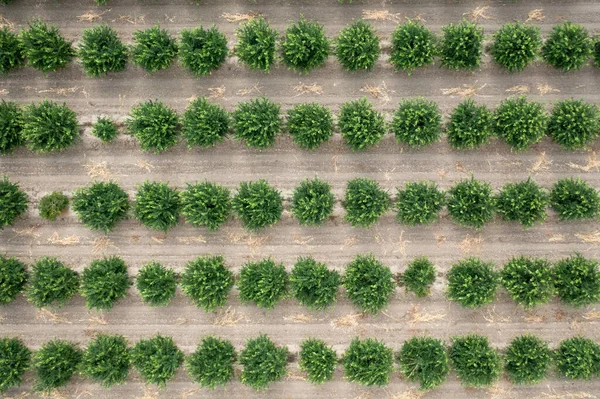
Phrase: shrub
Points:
(461, 45)
(574, 199)
(596, 51)
(417, 122)
(206, 204)
(418, 277)
(156, 284)
(419, 203)
(424, 360)
(155, 125)
(104, 282)
(14, 276)
(364, 202)
(475, 362)
(471, 203)
(304, 46)
(154, 49)
(313, 285)
(256, 44)
(578, 358)
(470, 125)
(11, 124)
(263, 362)
(568, 47)
(157, 206)
(516, 45)
(258, 204)
(524, 202)
(577, 280)
(53, 204)
(257, 122)
(527, 359)
(106, 360)
(368, 362)
(44, 47)
(203, 50)
(105, 129)
(55, 363)
(317, 360)
(101, 205)
(207, 282)
(529, 281)
(574, 123)
(204, 124)
(312, 202)
(472, 283)
(360, 124)
(14, 361)
(264, 282)
(101, 51)
(11, 51)
(357, 47)
(51, 283)
(49, 127)
(13, 202)
(413, 46)
(156, 359)
(310, 125)
(211, 365)
(368, 283)
(519, 122)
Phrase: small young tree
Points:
(104, 282)
(417, 122)
(157, 205)
(577, 280)
(413, 46)
(156, 284)
(368, 283)
(529, 281)
(475, 362)
(156, 359)
(101, 205)
(101, 51)
(317, 360)
(471, 203)
(568, 46)
(574, 199)
(53, 204)
(154, 49)
(524, 202)
(368, 362)
(419, 203)
(202, 51)
(14, 276)
(15, 359)
(106, 360)
(204, 124)
(516, 45)
(470, 125)
(206, 204)
(312, 202)
(54, 364)
(357, 47)
(365, 201)
(256, 44)
(472, 283)
(264, 282)
(424, 360)
(155, 125)
(574, 123)
(461, 46)
(51, 283)
(310, 125)
(578, 358)
(304, 46)
(13, 202)
(105, 129)
(360, 124)
(313, 284)
(11, 50)
(527, 359)
(258, 204)
(44, 47)
(49, 127)
(211, 364)
(418, 277)
(520, 123)
(263, 362)
(11, 124)
(257, 122)
(207, 282)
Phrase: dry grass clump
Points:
(592, 163)
(56, 239)
(545, 88)
(299, 318)
(91, 16)
(541, 163)
(592, 315)
(132, 19)
(302, 89)
(254, 89)
(478, 13)
(470, 244)
(380, 15)
(466, 90)
(381, 93)
(48, 316)
(556, 238)
(519, 89)
(593, 238)
(535, 15)
(415, 316)
(493, 317)
(228, 317)
(143, 164)
(102, 243)
(239, 17)
(98, 170)
(5, 22)
(192, 240)
(216, 92)
(349, 320)
(62, 91)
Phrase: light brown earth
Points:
(284, 166)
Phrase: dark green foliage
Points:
(53, 204)
(304, 46)
(529, 281)
(568, 47)
(44, 47)
(155, 125)
(417, 122)
(54, 364)
(11, 125)
(257, 122)
(461, 45)
(520, 123)
(204, 124)
(49, 127)
(211, 365)
(105, 129)
(203, 50)
(313, 284)
(360, 124)
(419, 203)
(310, 125)
(207, 282)
(418, 277)
(577, 280)
(101, 205)
(574, 199)
(472, 283)
(368, 283)
(312, 202)
(156, 284)
(263, 362)
(256, 44)
(258, 204)
(516, 45)
(104, 282)
(578, 358)
(413, 46)
(156, 359)
(527, 359)
(470, 125)
(424, 360)
(51, 283)
(317, 360)
(206, 204)
(13, 276)
(524, 202)
(13, 202)
(475, 362)
(365, 201)
(357, 47)
(14, 361)
(574, 123)
(264, 282)
(596, 52)
(368, 362)
(106, 360)
(11, 51)
(471, 203)
(157, 205)
(154, 49)
(101, 51)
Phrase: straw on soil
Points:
(470, 244)
(466, 90)
(97, 320)
(541, 163)
(228, 317)
(302, 89)
(460, 167)
(61, 91)
(593, 238)
(149, 393)
(5, 22)
(302, 240)
(56, 239)
(545, 88)
(143, 164)
(381, 93)
(299, 318)
(192, 240)
(350, 242)
(479, 13)
(381, 15)
(133, 19)
(492, 316)
(98, 170)
(440, 239)
(401, 245)
(102, 243)
(592, 315)
(244, 92)
(519, 89)
(48, 316)
(91, 16)
(216, 92)
(535, 15)
(592, 163)
(239, 17)
(407, 395)
(415, 316)
(349, 320)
